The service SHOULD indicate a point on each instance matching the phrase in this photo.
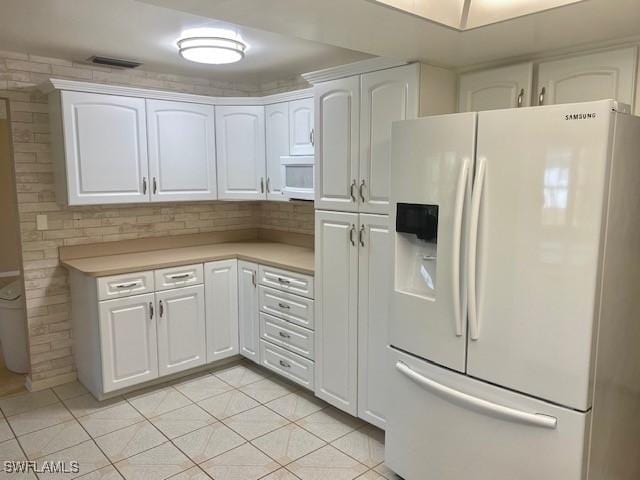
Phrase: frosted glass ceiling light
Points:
(468, 14)
(211, 50)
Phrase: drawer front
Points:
(175, 277)
(291, 282)
(298, 310)
(292, 337)
(125, 285)
(289, 365)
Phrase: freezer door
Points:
(537, 210)
(431, 169)
(447, 426)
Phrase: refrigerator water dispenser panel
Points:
(420, 220)
(417, 249)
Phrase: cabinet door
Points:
(336, 260)
(105, 143)
(128, 341)
(506, 87)
(387, 96)
(182, 157)
(597, 76)
(181, 329)
(337, 116)
(240, 151)
(221, 293)
(374, 289)
(249, 323)
(277, 128)
(301, 127)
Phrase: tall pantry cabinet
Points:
(353, 117)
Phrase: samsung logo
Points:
(580, 116)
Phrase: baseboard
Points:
(49, 382)
(12, 273)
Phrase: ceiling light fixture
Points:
(469, 14)
(213, 50)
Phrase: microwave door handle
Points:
(474, 320)
(469, 401)
(461, 192)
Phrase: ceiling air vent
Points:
(113, 62)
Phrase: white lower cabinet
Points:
(221, 296)
(249, 323)
(353, 270)
(181, 329)
(336, 319)
(374, 276)
(128, 341)
(135, 327)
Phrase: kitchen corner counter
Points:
(275, 254)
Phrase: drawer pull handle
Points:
(179, 276)
(161, 309)
(284, 364)
(126, 285)
(284, 281)
(284, 305)
(284, 335)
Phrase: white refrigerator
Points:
(515, 307)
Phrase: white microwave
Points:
(297, 177)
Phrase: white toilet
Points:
(13, 327)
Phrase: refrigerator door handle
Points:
(474, 322)
(461, 191)
(468, 401)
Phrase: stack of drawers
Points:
(286, 324)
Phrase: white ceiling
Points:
(133, 30)
(367, 26)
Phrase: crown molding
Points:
(72, 85)
(351, 69)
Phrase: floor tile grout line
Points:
(91, 439)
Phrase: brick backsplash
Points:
(46, 287)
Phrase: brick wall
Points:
(46, 287)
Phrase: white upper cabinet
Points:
(182, 157)
(597, 76)
(128, 341)
(337, 114)
(506, 87)
(336, 322)
(181, 329)
(103, 156)
(301, 131)
(221, 294)
(240, 148)
(248, 306)
(277, 143)
(386, 96)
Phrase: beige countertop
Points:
(281, 255)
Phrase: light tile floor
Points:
(235, 423)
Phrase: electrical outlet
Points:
(42, 222)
